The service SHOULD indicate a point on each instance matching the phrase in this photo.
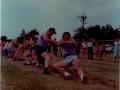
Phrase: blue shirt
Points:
(35, 39)
(68, 49)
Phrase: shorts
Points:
(68, 60)
(39, 50)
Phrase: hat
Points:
(53, 30)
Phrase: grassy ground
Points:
(102, 76)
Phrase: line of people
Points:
(37, 50)
(87, 47)
(37, 46)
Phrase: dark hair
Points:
(33, 32)
(65, 33)
(18, 38)
(53, 30)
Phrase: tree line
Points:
(96, 32)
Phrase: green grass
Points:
(102, 76)
(20, 79)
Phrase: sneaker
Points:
(85, 80)
(26, 63)
(37, 65)
(68, 77)
(33, 62)
(47, 73)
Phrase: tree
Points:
(94, 32)
(22, 33)
(81, 32)
(98, 33)
(22, 36)
(82, 19)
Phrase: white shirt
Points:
(6, 45)
(84, 45)
(89, 44)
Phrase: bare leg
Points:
(17, 54)
(59, 66)
(52, 58)
(47, 59)
(96, 56)
(105, 57)
(76, 64)
(34, 56)
(83, 77)
(27, 53)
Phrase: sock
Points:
(81, 76)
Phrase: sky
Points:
(17, 15)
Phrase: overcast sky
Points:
(60, 14)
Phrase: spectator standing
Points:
(90, 49)
(78, 47)
(55, 48)
(84, 49)
(103, 51)
(97, 51)
(116, 52)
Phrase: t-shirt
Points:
(10, 44)
(89, 44)
(68, 49)
(6, 45)
(42, 42)
(35, 39)
(103, 47)
(84, 45)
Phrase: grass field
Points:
(102, 76)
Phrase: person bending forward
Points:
(41, 48)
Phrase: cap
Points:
(53, 30)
